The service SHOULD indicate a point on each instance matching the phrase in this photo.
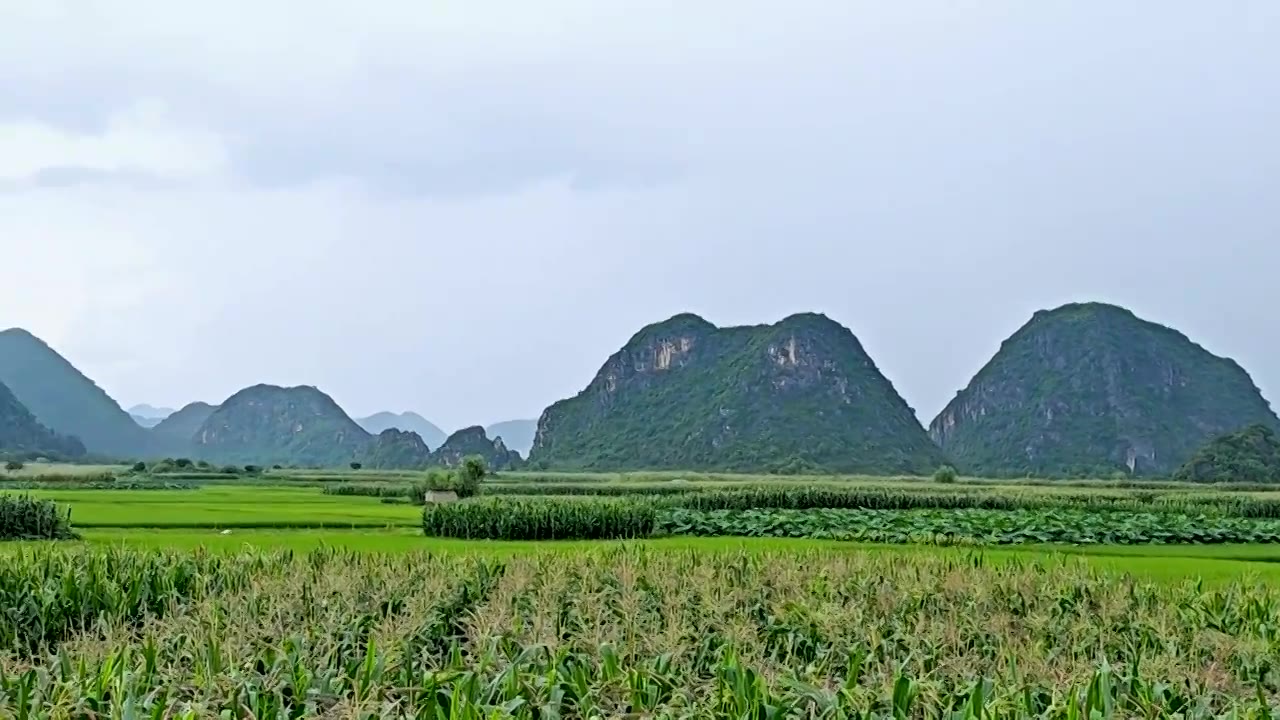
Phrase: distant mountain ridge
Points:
(432, 435)
(302, 426)
(150, 412)
(798, 395)
(65, 401)
(516, 434)
(1091, 389)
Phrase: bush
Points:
(230, 470)
(252, 469)
(204, 465)
(945, 475)
(139, 467)
(25, 518)
(182, 463)
(539, 519)
(356, 466)
(13, 466)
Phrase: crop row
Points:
(987, 527)
(801, 497)
(594, 518)
(626, 632)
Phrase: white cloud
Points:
(463, 207)
(141, 139)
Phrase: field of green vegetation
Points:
(299, 593)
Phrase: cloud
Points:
(464, 208)
(137, 144)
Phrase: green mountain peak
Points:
(1092, 389)
(801, 394)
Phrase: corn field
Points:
(540, 519)
(24, 518)
(624, 632)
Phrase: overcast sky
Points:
(462, 208)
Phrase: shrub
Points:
(945, 474)
(356, 466)
(182, 463)
(139, 467)
(230, 470)
(13, 466)
(539, 519)
(252, 469)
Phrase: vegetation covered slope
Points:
(683, 394)
(1091, 389)
(516, 434)
(265, 425)
(394, 449)
(23, 437)
(431, 434)
(66, 401)
(1249, 455)
(473, 441)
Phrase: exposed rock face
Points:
(474, 441)
(1250, 455)
(64, 400)
(432, 435)
(1091, 389)
(22, 436)
(265, 425)
(683, 394)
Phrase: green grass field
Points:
(225, 518)
(225, 506)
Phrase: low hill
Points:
(799, 395)
(1249, 455)
(1091, 389)
(432, 435)
(23, 437)
(395, 449)
(185, 423)
(516, 434)
(66, 401)
(473, 441)
(266, 425)
(299, 426)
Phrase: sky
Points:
(463, 208)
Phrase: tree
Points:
(945, 474)
(139, 467)
(356, 466)
(469, 475)
(182, 463)
(13, 466)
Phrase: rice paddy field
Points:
(639, 596)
